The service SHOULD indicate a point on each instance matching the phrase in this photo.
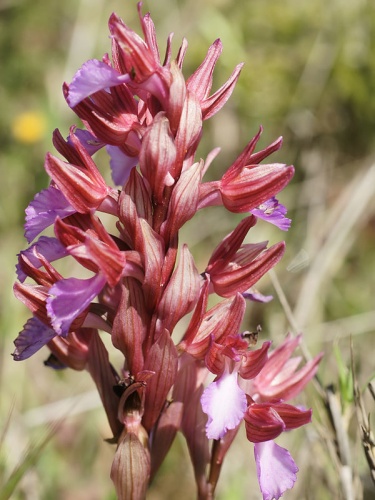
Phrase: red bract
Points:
(158, 156)
(142, 283)
(280, 378)
(112, 117)
(254, 185)
(265, 421)
(81, 184)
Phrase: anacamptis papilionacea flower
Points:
(141, 282)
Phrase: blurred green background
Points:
(309, 75)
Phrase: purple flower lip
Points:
(43, 210)
(93, 76)
(274, 212)
(33, 337)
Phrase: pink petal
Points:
(49, 247)
(200, 81)
(276, 469)
(174, 304)
(33, 337)
(70, 297)
(88, 141)
(225, 404)
(216, 101)
(274, 212)
(255, 296)
(254, 361)
(121, 164)
(43, 210)
(93, 76)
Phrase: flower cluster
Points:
(138, 282)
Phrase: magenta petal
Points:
(70, 297)
(273, 212)
(121, 164)
(50, 248)
(276, 469)
(33, 337)
(225, 404)
(93, 76)
(43, 210)
(88, 141)
(255, 296)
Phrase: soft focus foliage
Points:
(309, 75)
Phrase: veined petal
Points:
(43, 210)
(34, 297)
(130, 470)
(290, 387)
(70, 297)
(72, 351)
(254, 361)
(248, 157)
(177, 95)
(278, 358)
(243, 159)
(162, 359)
(215, 359)
(50, 248)
(280, 378)
(109, 259)
(33, 337)
(184, 200)
(130, 325)
(197, 316)
(209, 194)
(200, 81)
(95, 249)
(158, 155)
(216, 101)
(263, 423)
(292, 416)
(138, 59)
(149, 32)
(219, 322)
(93, 76)
(45, 277)
(228, 247)
(84, 188)
(254, 185)
(276, 469)
(232, 280)
(151, 246)
(188, 133)
(182, 292)
(111, 117)
(225, 404)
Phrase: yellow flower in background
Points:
(29, 127)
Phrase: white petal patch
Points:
(225, 404)
(276, 469)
